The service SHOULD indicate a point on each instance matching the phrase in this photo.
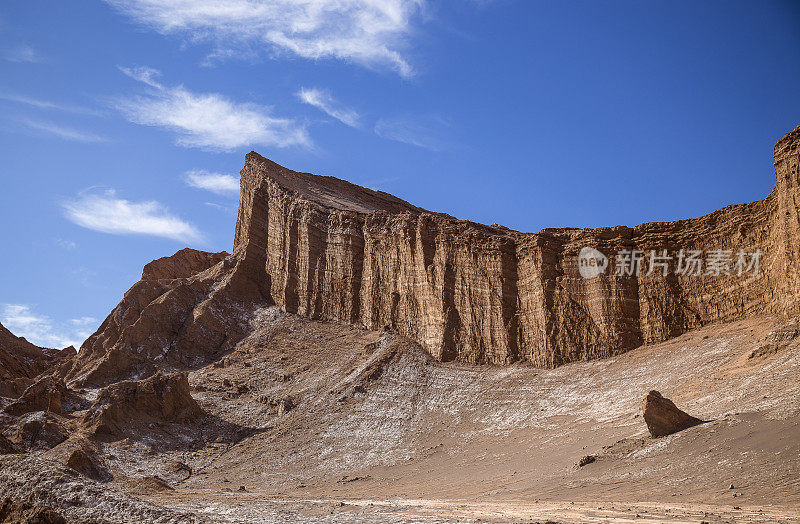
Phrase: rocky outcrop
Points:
(38, 431)
(46, 394)
(330, 250)
(186, 311)
(21, 361)
(125, 407)
(6, 446)
(183, 264)
(85, 461)
(35, 488)
(663, 417)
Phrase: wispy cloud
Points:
(107, 213)
(67, 133)
(208, 120)
(41, 330)
(21, 53)
(83, 321)
(225, 209)
(426, 132)
(371, 33)
(66, 244)
(322, 99)
(45, 104)
(146, 75)
(218, 183)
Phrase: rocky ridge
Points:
(487, 294)
(326, 249)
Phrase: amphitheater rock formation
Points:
(326, 249)
(477, 293)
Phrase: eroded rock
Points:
(129, 406)
(45, 394)
(663, 417)
(21, 362)
(38, 431)
(85, 461)
(327, 249)
(6, 446)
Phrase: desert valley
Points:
(356, 358)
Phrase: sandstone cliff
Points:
(327, 249)
(480, 293)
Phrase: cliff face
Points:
(327, 249)
(487, 294)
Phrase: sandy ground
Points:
(372, 430)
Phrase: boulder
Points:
(85, 461)
(129, 407)
(45, 394)
(663, 417)
(38, 431)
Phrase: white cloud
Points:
(21, 320)
(107, 213)
(322, 99)
(67, 133)
(66, 244)
(21, 53)
(83, 321)
(208, 120)
(145, 75)
(218, 183)
(370, 32)
(425, 132)
(44, 104)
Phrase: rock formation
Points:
(45, 394)
(477, 293)
(186, 311)
(21, 361)
(326, 249)
(124, 407)
(663, 417)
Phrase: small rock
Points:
(87, 463)
(663, 417)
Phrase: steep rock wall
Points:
(486, 294)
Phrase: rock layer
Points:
(487, 294)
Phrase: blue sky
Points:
(124, 123)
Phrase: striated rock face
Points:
(487, 294)
(330, 250)
(663, 417)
